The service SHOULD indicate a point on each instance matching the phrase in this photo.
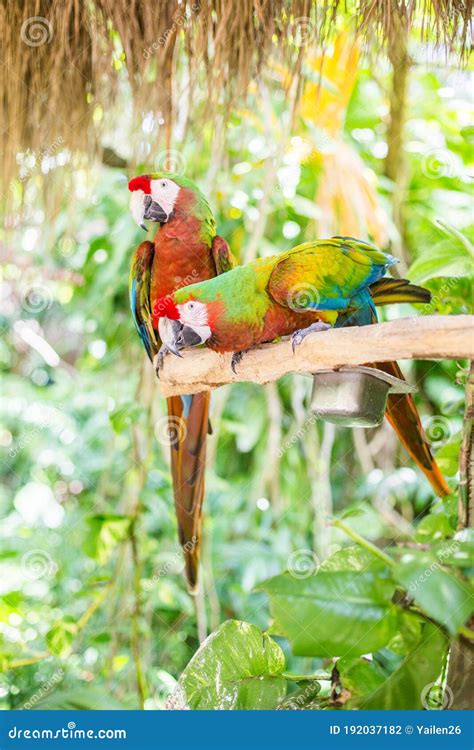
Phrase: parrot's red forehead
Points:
(165, 308)
(140, 183)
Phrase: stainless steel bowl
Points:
(354, 396)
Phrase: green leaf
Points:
(238, 668)
(106, 531)
(442, 261)
(61, 637)
(127, 415)
(350, 558)
(360, 676)
(404, 688)
(334, 613)
(456, 552)
(438, 592)
(434, 527)
(302, 699)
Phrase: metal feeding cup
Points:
(354, 396)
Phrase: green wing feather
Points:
(139, 294)
(326, 274)
(223, 258)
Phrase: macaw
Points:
(185, 249)
(312, 287)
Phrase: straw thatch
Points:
(64, 60)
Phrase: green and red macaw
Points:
(185, 249)
(315, 286)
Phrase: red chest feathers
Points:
(181, 258)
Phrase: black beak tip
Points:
(142, 226)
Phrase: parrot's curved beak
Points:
(170, 332)
(143, 207)
(153, 211)
(176, 336)
(188, 337)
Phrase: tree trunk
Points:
(461, 660)
(395, 161)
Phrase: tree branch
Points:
(433, 337)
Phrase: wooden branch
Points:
(433, 337)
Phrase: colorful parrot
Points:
(312, 287)
(186, 249)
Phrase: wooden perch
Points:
(433, 337)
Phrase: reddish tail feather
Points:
(188, 465)
(403, 416)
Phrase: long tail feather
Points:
(189, 422)
(388, 291)
(403, 416)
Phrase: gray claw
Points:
(299, 335)
(160, 358)
(236, 358)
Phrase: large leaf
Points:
(106, 531)
(238, 667)
(404, 688)
(437, 591)
(334, 613)
(442, 261)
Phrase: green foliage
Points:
(91, 567)
(105, 533)
(404, 687)
(238, 667)
(337, 612)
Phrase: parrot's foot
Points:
(236, 358)
(301, 333)
(160, 357)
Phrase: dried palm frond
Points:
(63, 60)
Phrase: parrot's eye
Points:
(191, 305)
(163, 183)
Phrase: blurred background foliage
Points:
(92, 581)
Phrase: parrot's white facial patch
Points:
(165, 192)
(194, 315)
(137, 206)
(167, 331)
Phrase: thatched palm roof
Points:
(64, 60)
